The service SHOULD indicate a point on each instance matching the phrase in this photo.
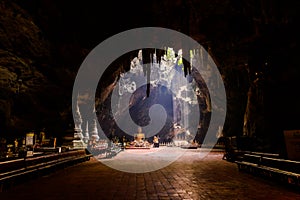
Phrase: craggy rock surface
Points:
(254, 44)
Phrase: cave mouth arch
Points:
(176, 94)
(109, 50)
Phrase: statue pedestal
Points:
(139, 141)
(78, 142)
(179, 142)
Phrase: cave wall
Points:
(30, 83)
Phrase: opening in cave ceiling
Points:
(180, 89)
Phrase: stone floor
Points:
(189, 177)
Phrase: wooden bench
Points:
(283, 164)
(251, 158)
(283, 170)
(32, 167)
(11, 165)
(270, 155)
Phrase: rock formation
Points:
(42, 44)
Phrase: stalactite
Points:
(186, 64)
(148, 79)
(159, 54)
(146, 53)
(147, 66)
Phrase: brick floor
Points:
(189, 177)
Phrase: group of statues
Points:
(140, 141)
(168, 72)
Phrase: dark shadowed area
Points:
(254, 44)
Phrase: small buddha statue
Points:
(139, 138)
